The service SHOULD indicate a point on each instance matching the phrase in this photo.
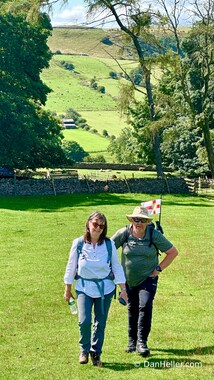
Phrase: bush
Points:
(101, 89)
(113, 75)
(93, 84)
(98, 158)
(73, 151)
(72, 114)
(67, 66)
(107, 41)
(105, 133)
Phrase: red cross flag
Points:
(153, 206)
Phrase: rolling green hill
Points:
(71, 88)
(87, 50)
(90, 41)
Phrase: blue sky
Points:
(72, 13)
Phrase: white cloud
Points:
(74, 13)
(69, 16)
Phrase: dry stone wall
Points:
(10, 187)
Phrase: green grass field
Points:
(69, 90)
(90, 142)
(120, 174)
(108, 120)
(39, 337)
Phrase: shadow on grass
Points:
(114, 366)
(164, 363)
(208, 350)
(156, 363)
(51, 203)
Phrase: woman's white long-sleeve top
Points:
(92, 264)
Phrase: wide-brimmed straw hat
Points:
(139, 212)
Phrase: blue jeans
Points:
(85, 305)
(140, 302)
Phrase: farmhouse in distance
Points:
(68, 124)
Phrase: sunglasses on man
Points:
(140, 220)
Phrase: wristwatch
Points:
(158, 268)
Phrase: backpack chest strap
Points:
(100, 286)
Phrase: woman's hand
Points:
(68, 294)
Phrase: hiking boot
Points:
(96, 359)
(142, 348)
(83, 358)
(131, 347)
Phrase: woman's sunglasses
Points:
(95, 225)
(142, 220)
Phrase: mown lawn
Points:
(39, 337)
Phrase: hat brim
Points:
(130, 217)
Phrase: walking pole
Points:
(158, 222)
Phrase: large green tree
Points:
(29, 136)
(195, 71)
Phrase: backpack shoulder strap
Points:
(151, 242)
(109, 249)
(108, 246)
(151, 229)
(126, 235)
(80, 245)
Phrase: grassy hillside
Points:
(70, 90)
(90, 142)
(87, 53)
(84, 41)
(109, 120)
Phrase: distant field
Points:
(90, 142)
(70, 89)
(120, 174)
(109, 120)
(83, 41)
(68, 92)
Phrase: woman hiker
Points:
(94, 262)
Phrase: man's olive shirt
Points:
(138, 259)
